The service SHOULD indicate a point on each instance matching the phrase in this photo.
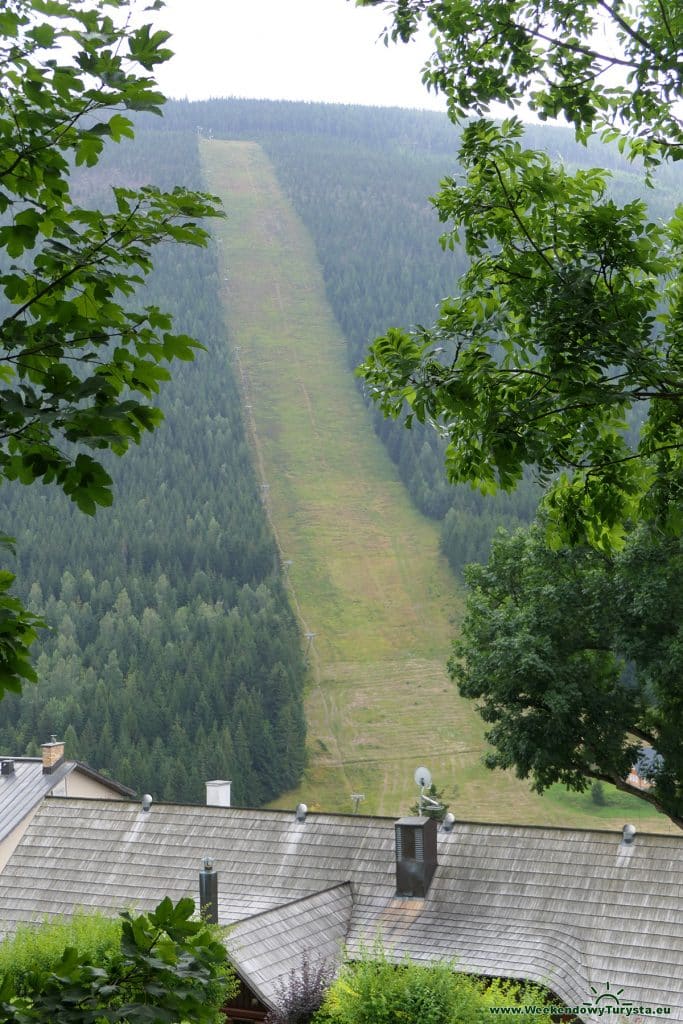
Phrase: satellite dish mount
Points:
(423, 779)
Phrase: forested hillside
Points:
(174, 656)
(359, 178)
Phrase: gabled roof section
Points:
(92, 773)
(267, 948)
(25, 787)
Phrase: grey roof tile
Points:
(27, 785)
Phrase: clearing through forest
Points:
(375, 598)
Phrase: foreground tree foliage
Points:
(158, 968)
(576, 658)
(79, 365)
(569, 318)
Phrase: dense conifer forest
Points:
(360, 179)
(174, 655)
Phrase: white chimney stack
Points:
(218, 793)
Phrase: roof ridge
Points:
(360, 818)
(290, 903)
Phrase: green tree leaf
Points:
(574, 658)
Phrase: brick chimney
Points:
(415, 855)
(53, 755)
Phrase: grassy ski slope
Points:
(370, 587)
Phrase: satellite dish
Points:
(423, 777)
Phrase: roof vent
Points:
(628, 833)
(146, 802)
(301, 812)
(7, 766)
(415, 855)
(448, 822)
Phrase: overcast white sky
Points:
(290, 49)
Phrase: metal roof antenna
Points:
(146, 802)
(423, 779)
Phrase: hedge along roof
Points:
(577, 910)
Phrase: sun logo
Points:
(609, 996)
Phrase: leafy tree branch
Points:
(71, 72)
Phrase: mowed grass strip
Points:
(366, 574)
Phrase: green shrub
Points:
(373, 990)
(38, 948)
(504, 992)
(156, 968)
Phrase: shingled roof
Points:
(27, 784)
(577, 910)
(267, 948)
(25, 787)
